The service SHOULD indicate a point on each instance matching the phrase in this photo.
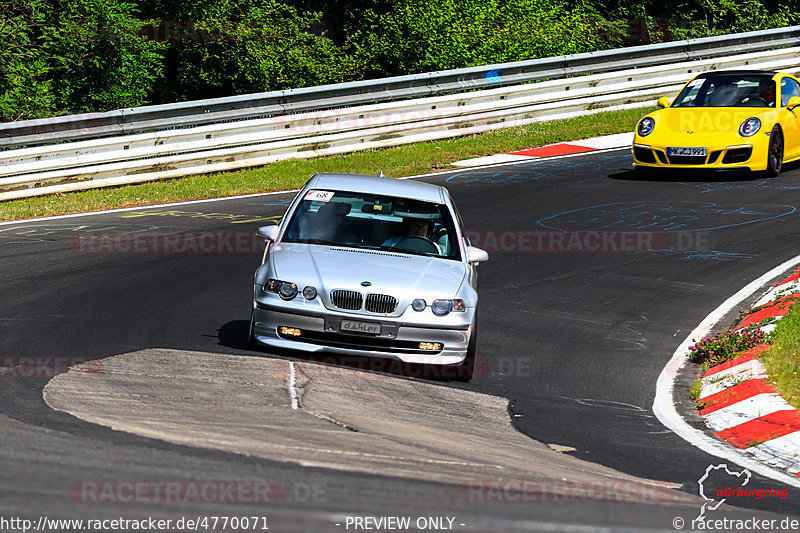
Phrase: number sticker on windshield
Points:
(319, 196)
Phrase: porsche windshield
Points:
(728, 90)
(363, 220)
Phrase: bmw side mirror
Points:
(269, 233)
(476, 255)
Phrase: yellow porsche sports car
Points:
(736, 120)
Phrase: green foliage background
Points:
(75, 56)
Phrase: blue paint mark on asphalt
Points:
(664, 216)
(712, 255)
(779, 184)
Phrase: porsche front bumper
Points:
(750, 155)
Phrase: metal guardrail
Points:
(257, 138)
(276, 103)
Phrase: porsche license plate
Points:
(686, 151)
(361, 327)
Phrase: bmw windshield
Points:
(728, 90)
(363, 220)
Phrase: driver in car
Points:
(413, 227)
(766, 94)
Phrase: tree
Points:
(72, 56)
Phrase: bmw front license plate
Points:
(361, 327)
(686, 151)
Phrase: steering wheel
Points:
(757, 101)
(438, 234)
(418, 243)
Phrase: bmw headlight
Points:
(418, 305)
(750, 127)
(646, 126)
(443, 307)
(309, 293)
(285, 289)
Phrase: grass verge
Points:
(408, 160)
(783, 359)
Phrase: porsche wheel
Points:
(775, 154)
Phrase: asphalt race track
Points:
(595, 276)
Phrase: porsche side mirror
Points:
(794, 101)
(663, 102)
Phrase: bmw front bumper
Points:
(321, 333)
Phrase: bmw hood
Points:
(368, 271)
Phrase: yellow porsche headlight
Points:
(646, 126)
(750, 127)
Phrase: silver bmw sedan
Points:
(372, 266)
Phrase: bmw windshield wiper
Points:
(384, 248)
(317, 241)
(403, 251)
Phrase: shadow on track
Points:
(234, 335)
(694, 175)
(684, 175)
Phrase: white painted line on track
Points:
(745, 411)
(721, 383)
(617, 140)
(293, 386)
(778, 291)
(780, 451)
(491, 159)
(752, 369)
(528, 160)
(769, 328)
(664, 407)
